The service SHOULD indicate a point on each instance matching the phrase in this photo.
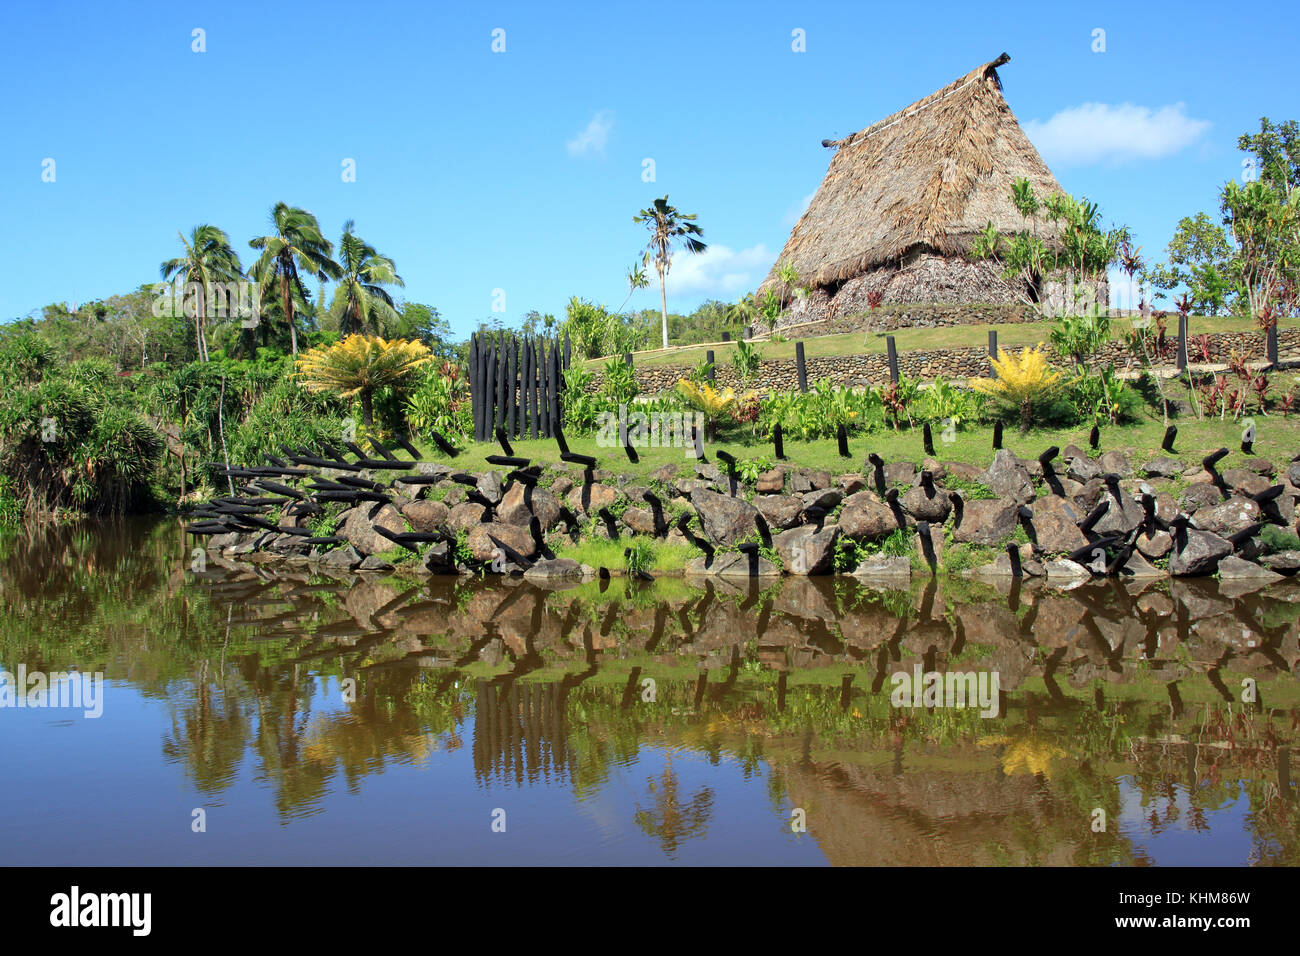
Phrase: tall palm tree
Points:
(668, 227)
(297, 247)
(208, 259)
(365, 273)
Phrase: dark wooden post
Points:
(568, 350)
(525, 393)
(534, 386)
(1270, 346)
(893, 357)
(501, 381)
(490, 389)
(512, 390)
(801, 366)
(627, 359)
(559, 386)
(1182, 343)
(993, 348)
(476, 403)
(726, 336)
(708, 357)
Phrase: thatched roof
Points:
(926, 178)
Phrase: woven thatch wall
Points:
(926, 179)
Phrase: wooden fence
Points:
(515, 383)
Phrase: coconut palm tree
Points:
(297, 247)
(668, 227)
(361, 365)
(361, 288)
(208, 259)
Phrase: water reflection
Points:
(625, 722)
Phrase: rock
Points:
(641, 521)
(1115, 462)
(374, 563)
(521, 504)
(726, 520)
(465, 516)
(1228, 518)
(561, 486)
(438, 559)
(1260, 466)
(805, 551)
(557, 570)
(827, 499)
(1293, 473)
(1200, 495)
(934, 507)
(664, 474)
(344, 558)
(1155, 545)
(1285, 562)
(1245, 482)
(963, 471)
(433, 468)
(481, 545)
(850, 484)
(1200, 554)
(709, 472)
(489, 485)
(1234, 568)
(987, 521)
(427, 516)
(1138, 567)
(819, 479)
(359, 529)
(799, 483)
(1081, 468)
(899, 473)
(1056, 525)
(880, 566)
(1162, 467)
(865, 517)
(732, 564)
(771, 482)
(1125, 514)
(780, 511)
(1007, 477)
(590, 498)
(1063, 569)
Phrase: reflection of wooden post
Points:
(1284, 772)
(893, 357)
(846, 691)
(801, 366)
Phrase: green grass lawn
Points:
(1277, 438)
(913, 340)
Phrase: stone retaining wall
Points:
(955, 364)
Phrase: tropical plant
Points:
(713, 403)
(1023, 383)
(746, 359)
(361, 298)
(1080, 337)
(668, 227)
(208, 260)
(296, 248)
(581, 406)
(360, 366)
(619, 385)
(440, 403)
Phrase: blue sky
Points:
(521, 170)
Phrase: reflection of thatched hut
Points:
(904, 198)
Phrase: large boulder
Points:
(924, 506)
(1123, 515)
(1200, 553)
(427, 516)
(1227, 518)
(733, 564)
(807, 551)
(481, 544)
(1235, 568)
(489, 486)
(780, 511)
(865, 517)
(520, 504)
(465, 516)
(987, 521)
(1114, 462)
(771, 482)
(1007, 477)
(1056, 525)
(359, 529)
(590, 498)
(726, 520)
(558, 571)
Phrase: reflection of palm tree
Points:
(670, 821)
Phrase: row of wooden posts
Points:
(516, 383)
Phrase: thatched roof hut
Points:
(904, 198)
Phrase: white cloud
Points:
(1102, 133)
(717, 271)
(593, 138)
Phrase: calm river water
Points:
(258, 713)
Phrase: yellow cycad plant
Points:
(1024, 383)
(360, 366)
(711, 402)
